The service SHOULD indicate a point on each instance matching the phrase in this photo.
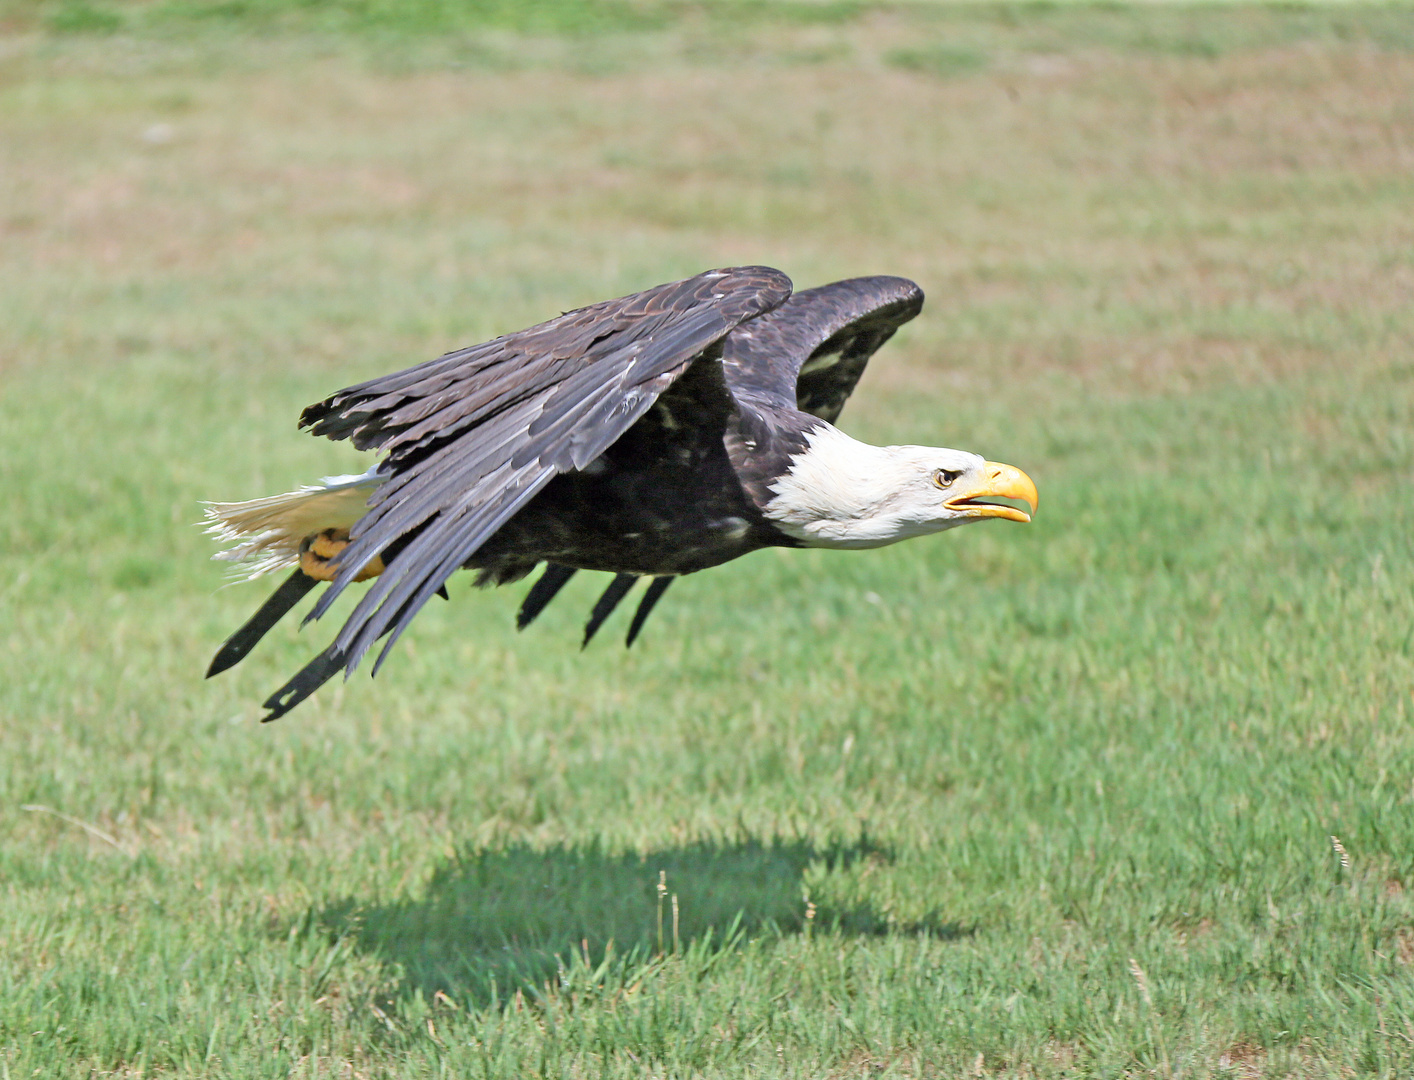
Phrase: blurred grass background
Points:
(1025, 802)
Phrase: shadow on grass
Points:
(492, 921)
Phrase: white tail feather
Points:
(265, 534)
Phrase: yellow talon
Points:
(317, 552)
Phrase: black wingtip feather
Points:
(656, 588)
(604, 606)
(542, 592)
(309, 679)
(239, 644)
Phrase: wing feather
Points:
(809, 352)
(472, 436)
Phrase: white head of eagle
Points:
(842, 493)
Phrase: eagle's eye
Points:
(944, 477)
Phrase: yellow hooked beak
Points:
(1006, 481)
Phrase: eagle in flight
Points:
(650, 436)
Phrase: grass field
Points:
(1049, 801)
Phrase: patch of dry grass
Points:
(1149, 201)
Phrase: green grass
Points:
(417, 17)
(1039, 801)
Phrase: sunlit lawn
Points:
(1045, 801)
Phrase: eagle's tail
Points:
(306, 529)
(282, 530)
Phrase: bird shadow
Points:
(492, 921)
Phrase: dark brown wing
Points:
(809, 352)
(472, 436)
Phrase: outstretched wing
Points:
(809, 352)
(471, 437)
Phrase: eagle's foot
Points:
(318, 551)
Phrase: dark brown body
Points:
(682, 490)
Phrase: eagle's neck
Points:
(842, 493)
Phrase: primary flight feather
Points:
(650, 436)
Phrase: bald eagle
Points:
(650, 436)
